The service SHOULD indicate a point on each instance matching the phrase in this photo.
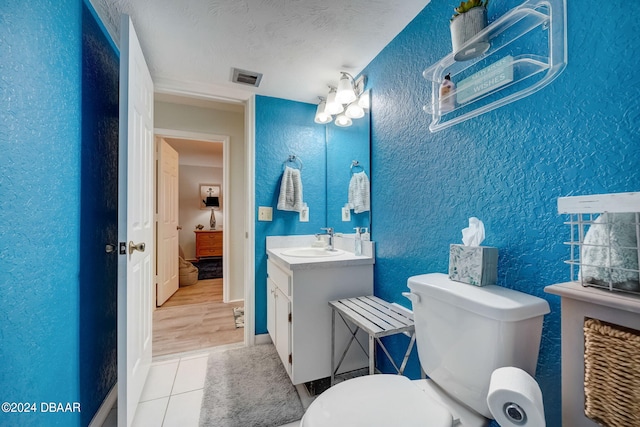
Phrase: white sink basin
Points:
(311, 252)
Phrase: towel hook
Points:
(356, 164)
(295, 160)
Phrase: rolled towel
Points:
(359, 192)
(290, 198)
(609, 252)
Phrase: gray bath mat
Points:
(248, 387)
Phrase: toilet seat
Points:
(376, 401)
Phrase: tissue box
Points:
(475, 265)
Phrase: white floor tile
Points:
(184, 410)
(191, 374)
(160, 380)
(151, 413)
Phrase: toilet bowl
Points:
(463, 334)
(367, 395)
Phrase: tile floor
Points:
(172, 395)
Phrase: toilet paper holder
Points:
(515, 398)
(515, 413)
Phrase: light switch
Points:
(265, 213)
(304, 214)
(346, 214)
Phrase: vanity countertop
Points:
(345, 259)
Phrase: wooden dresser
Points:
(208, 243)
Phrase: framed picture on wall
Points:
(210, 196)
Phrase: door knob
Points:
(109, 248)
(133, 247)
(179, 227)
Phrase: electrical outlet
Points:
(346, 214)
(304, 214)
(265, 213)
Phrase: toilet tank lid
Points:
(495, 302)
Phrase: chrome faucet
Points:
(329, 232)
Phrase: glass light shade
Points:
(354, 111)
(322, 116)
(365, 101)
(345, 93)
(332, 106)
(343, 121)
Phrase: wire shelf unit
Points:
(603, 240)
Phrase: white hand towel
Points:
(359, 192)
(290, 198)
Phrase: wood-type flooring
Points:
(195, 318)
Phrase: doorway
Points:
(199, 314)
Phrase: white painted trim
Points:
(107, 405)
(226, 238)
(214, 92)
(263, 339)
(249, 244)
(226, 171)
(183, 134)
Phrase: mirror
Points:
(344, 146)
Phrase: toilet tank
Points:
(465, 332)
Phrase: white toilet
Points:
(463, 334)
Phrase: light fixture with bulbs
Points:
(347, 101)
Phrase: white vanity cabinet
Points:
(299, 316)
(279, 311)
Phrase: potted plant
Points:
(469, 19)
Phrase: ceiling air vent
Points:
(245, 77)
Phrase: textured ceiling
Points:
(299, 45)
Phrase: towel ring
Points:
(295, 160)
(356, 164)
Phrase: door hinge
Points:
(123, 248)
(290, 358)
(289, 317)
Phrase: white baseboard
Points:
(107, 405)
(262, 339)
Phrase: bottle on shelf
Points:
(447, 95)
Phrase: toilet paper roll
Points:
(515, 398)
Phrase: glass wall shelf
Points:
(528, 50)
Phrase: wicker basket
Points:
(611, 374)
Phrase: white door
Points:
(135, 223)
(167, 248)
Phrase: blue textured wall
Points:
(580, 135)
(40, 118)
(98, 216)
(57, 310)
(283, 128)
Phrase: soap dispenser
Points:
(358, 242)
